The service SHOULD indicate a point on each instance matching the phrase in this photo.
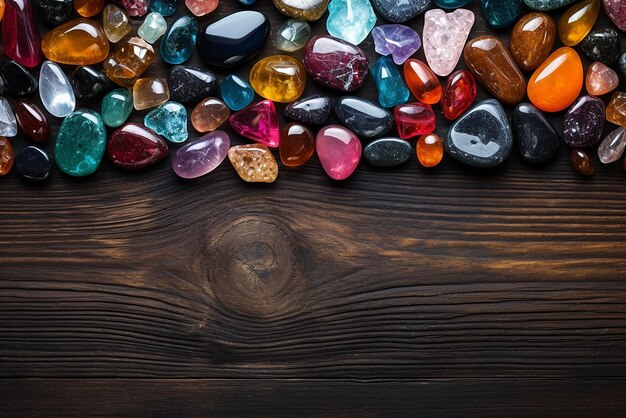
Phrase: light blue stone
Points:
(168, 120)
(236, 92)
(179, 41)
(451, 4)
(391, 88)
(164, 7)
(350, 20)
(80, 143)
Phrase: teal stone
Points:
(164, 7)
(117, 107)
(168, 120)
(451, 4)
(501, 13)
(236, 92)
(80, 144)
(179, 42)
(545, 5)
(391, 88)
(350, 20)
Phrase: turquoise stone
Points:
(350, 20)
(179, 42)
(117, 107)
(164, 7)
(391, 88)
(80, 144)
(168, 120)
(501, 13)
(451, 4)
(236, 92)
(545, 5)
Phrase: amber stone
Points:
(31, 120)
(280, 78)
(297, 144)
(209, 115)
(576, 22)
(532, 40)
(77, 42)
(254, 163)
(490, 61)
(581, 162)
(132, 58)
(422, 82)
(7, 156)
(429, 150)
(88, 8)
(616, 109)
(305, 10)
(150, 92)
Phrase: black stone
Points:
(400, 11)
(89, 83)
(622, 65)
(537, 140)
(311, 110)
(233, 39)
(54, 12)
(18, 81)
(33, 164)
(1, 86)
(366, 119)
(482, 137)
(584, 122)
(602, 45)
(388, 152)
(189, 84)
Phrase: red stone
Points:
(133, 146)
(20, 37)
(458, 94)
(413, 119)
(31, 120)
(136, 8)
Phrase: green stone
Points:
(152, 28)
(80, 143)
(117, 107)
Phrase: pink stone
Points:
(20, 37)
(136, 8)
(201, 7)
(612, 147)
(339, 151)
(202, 156)
(258, 122)
(601, 79)
(616, 10)
(444, 38)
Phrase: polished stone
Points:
(32, 121)
(391, 88)
(311, 110)
(164, 7)
(413, 119)
(209, 114)
(459, 93)
(399, 41)
(88, 8)
(200, 157)
(116, 23)
(350, 20)
(584, 122)
(117, 107)
(297, 144)
(254, 163)
(622, 64)
(339, 151)
(532, 40)
(576, 22)
(258, 122)
(616, 10)
(366, 119)
(600, 79)
(134, 147)
(150, 92)
(388, 152)
(89, 83)
(20, 37)
(153, 27)
(55, 90)
(537, 140)
(179, 41)
(451, 4)
(444, 38)
(136, 8)
(7, 156)
(8, 124)
(280, 78)
(399, 11)
(80, 143)
(545, 5)
(168, 120)
(201, 7)
(33, 164)
(501, 13)
(581, 162)
(189, 84)
(302, 9)
(131, 59)
(422, 82)
(612, 147)
(616, 109)
(602, 45)
(236, 92)
(429, 150)
(18, 81)
(293, 35)
(54, 12)
(78, 42)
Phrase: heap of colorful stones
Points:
(94, 51)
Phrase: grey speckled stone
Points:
(388, 152)
(399, 11)
(311, 110)
(536, 138)
(544, 5)
(366, 119)
(482, 137)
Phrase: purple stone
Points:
(399, 41)
(202, 156)
(584, 122)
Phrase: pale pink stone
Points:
(612, 147)
(444, 38)
(259, 123)
(201, 7)
(339, 151)
(600, 79)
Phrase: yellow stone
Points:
(116, 23)
(576, 22)
(77, 42)
(128, 63)
(279, 78)
(150, 92)
(254, 163)
(306, 10)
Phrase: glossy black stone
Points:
(89, 83)
(310, 110)
(233, 39)
(33, 164)
(536, 138)
(366, 119)
(2, 89)
(18, 81)
(602, 45)
(584, 122)
(400, 11)
(54, 12)
(482, 137)
(388, 152)
(622, 65)
(189, 84)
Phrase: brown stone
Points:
(126, 65)
(581, 162)
(31, 120)
(297, 144)
(7, 156)
(209, 115)
(532, 40)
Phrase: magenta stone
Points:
(20, 37)
(202, 156)
(335, 63)
(136, 8)
(399, 41)
(339, 151)
(259, 123)
(616, 10)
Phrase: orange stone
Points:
(150, 92)
(532, 40)
(576, 22)
(88, 8)
(77, 42)
(297, 144)
(1, 9)
(616, 110)
(422, 82)
(557, 82)
(126, 65)
(6, 156)
(209, 115)
(429, 150)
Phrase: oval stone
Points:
(581, 162)
(429, 150)
(532, 40)
(117, 107)
(18, 81)
(293, 35)
(279, 78)
(388, 152)
(364, 118)
(129, 61)
(459, 94)
(312, 110)
(77, 42)
(31, 120)
(189, 84)
(236, 92)
(584, 122)
(179, 41)
(576, 22)
(254, 163)
(209, 115)
(537, 140)
(422, 82)
(616, 10)
(339, 151)
(612, 147)
(134, 147)
(80, 144)
(55, 90)
(233, 39)
(413, 119)
(297, 144)
(33, 164)
(7, 156)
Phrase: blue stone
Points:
(247, 2)
(451, 4)
(80, 144)
(545, 5)
(164, 7)
(168, 120)
(501, 13)
(179, 41)
(400, 11)
(350, 20)
(391, 88)
(236, 92)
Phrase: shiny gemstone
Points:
(20, 37)
(236, 92)
(581, 162)
(602, 45)
(150, 92)
(413, 119)
(115, 22)
(131, 59)
(52, 12)
(600, 79)
(134, 147)
(299, 9)
(537, 140)
(616, 110)
(201, 156)
(391, 88)
(8, 124)
(89, 83)
(399, 11)
(280, 78)
(189, 84)
(422, 82)
(429, 150)
(399, 41)
(387, 152)
(201, 7)
(339, 151)
(501, 13)
(117, 107)
(78, 42)
(612, 147)
(209, 115)
(459, 94)
(55, 90)
(33, 164)
(31, 120)
(350, 20)
(254, 163)
(293, 35)
(153, 27)
(7, 156)
(179, 42)
(18, 81)
(532, 40)
(444, 38)
(80, 143)
(576, 22)
(311, 110)
(366, 119)
(297, 144)
(168, 120)
(258, 122)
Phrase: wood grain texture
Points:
(466, 292)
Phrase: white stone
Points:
(8, 124)
(55, 90)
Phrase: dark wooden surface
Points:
(444, 292)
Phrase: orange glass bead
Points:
(88, 8)
(128, 63)
(297, 144)
(616, 109)
(429, 150)
(77, 42)
(576, 22)
(422, 82)
(6, 156)
(557, 82)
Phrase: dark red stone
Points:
(133, 146)
(31, 120)
(335, 63)
(136, 8)
(20, 37)
(458, 94)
